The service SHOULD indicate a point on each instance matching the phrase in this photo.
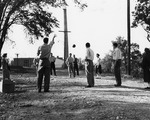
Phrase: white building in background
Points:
(59, 62)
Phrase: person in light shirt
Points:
(43, 68)
(117, 56)
(98, 66)
(52, 61)
(69, 63)
(89, 68)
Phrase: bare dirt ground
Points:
(68, 99)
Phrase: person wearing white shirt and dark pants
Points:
(117, 64)
(89, 68)
(69, 63)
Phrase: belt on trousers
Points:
(88, 60)
(43, 58)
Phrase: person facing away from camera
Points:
(89, 68)
(43, 69)
(117, 56)
(146, 67)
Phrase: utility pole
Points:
(129, 35)
(66, 48)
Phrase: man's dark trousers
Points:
(53, 68)
(43, 71)
(117, 72)
(90, 73)
(76, 68)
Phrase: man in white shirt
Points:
(89, 68)
(69, 63)
(98, 66)
(117, 63)
(43, 69)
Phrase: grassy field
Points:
(68, 99)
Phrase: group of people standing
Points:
(89, 57)
(47, 62)
(72, 63)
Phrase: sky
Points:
(100, 23)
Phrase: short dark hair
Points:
(147, 50)
(115, 44)
(45, 40)
(4, 55)
(87, 45)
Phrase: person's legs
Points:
(46, 79)
(117, 72)
(96, 71)
(40, 74)
(90, 74)
(54, 69)
(87, 72)
(69, 71)
(51, 69)
(74, 70)
(100, 70)
(77, 68)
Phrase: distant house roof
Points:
(61, 58)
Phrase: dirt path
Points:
(68, 99)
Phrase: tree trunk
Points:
(2, 39)
(1, 44)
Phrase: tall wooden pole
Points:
(66, 49)
(129, 35)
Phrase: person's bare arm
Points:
(52, 42)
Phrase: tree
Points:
(31, 14)
(142, 16)
(135, 57)
(107, 63)
(135, 60)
